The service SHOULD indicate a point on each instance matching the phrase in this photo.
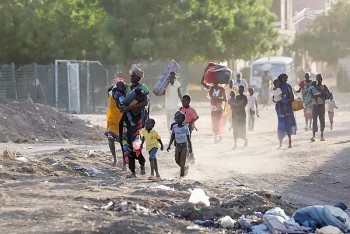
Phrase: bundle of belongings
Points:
(320, 219)
(163, 82)
(216, 73)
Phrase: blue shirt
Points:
(181, 133)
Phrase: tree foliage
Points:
(43, 30)
(190, 30)
(328, 38)
(129, 31)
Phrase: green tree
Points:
(44, 30)
(328, 37)
(188, 30)
(129, 31)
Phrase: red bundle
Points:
(217, 73)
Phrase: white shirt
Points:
(172, 100)
(330, 105)
(277, 94)
(251, 102)
(241, 82)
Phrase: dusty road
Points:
(309, 173)
(46, 194)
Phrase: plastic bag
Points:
(198, 197)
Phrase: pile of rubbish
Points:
(320, 219)
(312, 219)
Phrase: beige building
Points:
(294, 16)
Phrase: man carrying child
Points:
(320, 93)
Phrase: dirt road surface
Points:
(50, 190)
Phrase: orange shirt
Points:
(190, 113)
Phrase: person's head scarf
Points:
(138, 72)
(280, 77)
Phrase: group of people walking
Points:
(316, 96)
(131, 125)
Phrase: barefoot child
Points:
(181, 134)
(152, 139)
(330, 108)
(191, 117)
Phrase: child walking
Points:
(191, 118)
(330, 108)
(230, 102)
(152, 139)
(253, 109)
(181, 134)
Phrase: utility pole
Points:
(283, 15)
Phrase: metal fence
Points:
(49, 84)
(74, 86)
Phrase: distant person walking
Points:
(172, 99)
(320, 94)
(230, 102)
(252, 109)
(331, 106)
(239, 116)
(217, 97)
(285, 116)
(240, 81)
(307, 99)
(264, 94)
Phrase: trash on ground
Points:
(205, 223)
(329, 230)
(22, 159)
(194, 227)
(277, 221)
(88, 208)
(163, 187)
(109, 206)
(260, 229)
(88, 171)
(227, 222)
(321, 216)
(198, 197)
(134, 207)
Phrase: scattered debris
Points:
(198, 197)
(88, 171)
(22, 159)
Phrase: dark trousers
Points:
(180, 157)
(318, 111)
(132, 159)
